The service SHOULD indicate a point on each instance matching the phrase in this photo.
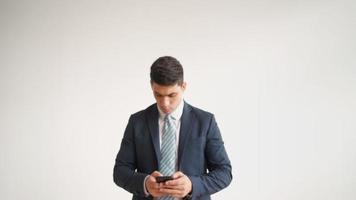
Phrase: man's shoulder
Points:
(199, 112)
(142, 113)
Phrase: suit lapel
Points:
(152, 119)
(185, 128)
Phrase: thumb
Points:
(178, 174)
(156, 173)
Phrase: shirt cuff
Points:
(144, 186)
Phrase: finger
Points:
(177, 174)
(152, 181)
(156, 173)
(174, 187)
(152, 178)
(169, 191)
(179, 181)
(157, 193)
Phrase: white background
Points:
(280, 76)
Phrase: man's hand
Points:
(179, 187)
(152, 186)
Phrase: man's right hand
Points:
(152, 186)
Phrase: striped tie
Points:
(168, 150)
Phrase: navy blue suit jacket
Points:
(201, 152)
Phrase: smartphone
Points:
(160, 179)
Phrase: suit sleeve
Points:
(125, 174)
(218, 164)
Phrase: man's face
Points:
(168, 97)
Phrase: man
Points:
(171, 138)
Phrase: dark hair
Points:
(167, 71)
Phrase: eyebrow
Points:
(165, 95)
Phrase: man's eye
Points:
(172, 95)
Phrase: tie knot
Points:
(169, 117)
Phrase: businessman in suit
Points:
(171, 138)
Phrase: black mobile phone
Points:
(160, 179)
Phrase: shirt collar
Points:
(176, 114)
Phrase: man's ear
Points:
(151, 84)
(184, 85)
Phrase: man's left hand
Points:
(179, 187)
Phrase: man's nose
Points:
(165, 101)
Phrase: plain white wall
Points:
(280, 77)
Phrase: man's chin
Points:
(165, 111)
